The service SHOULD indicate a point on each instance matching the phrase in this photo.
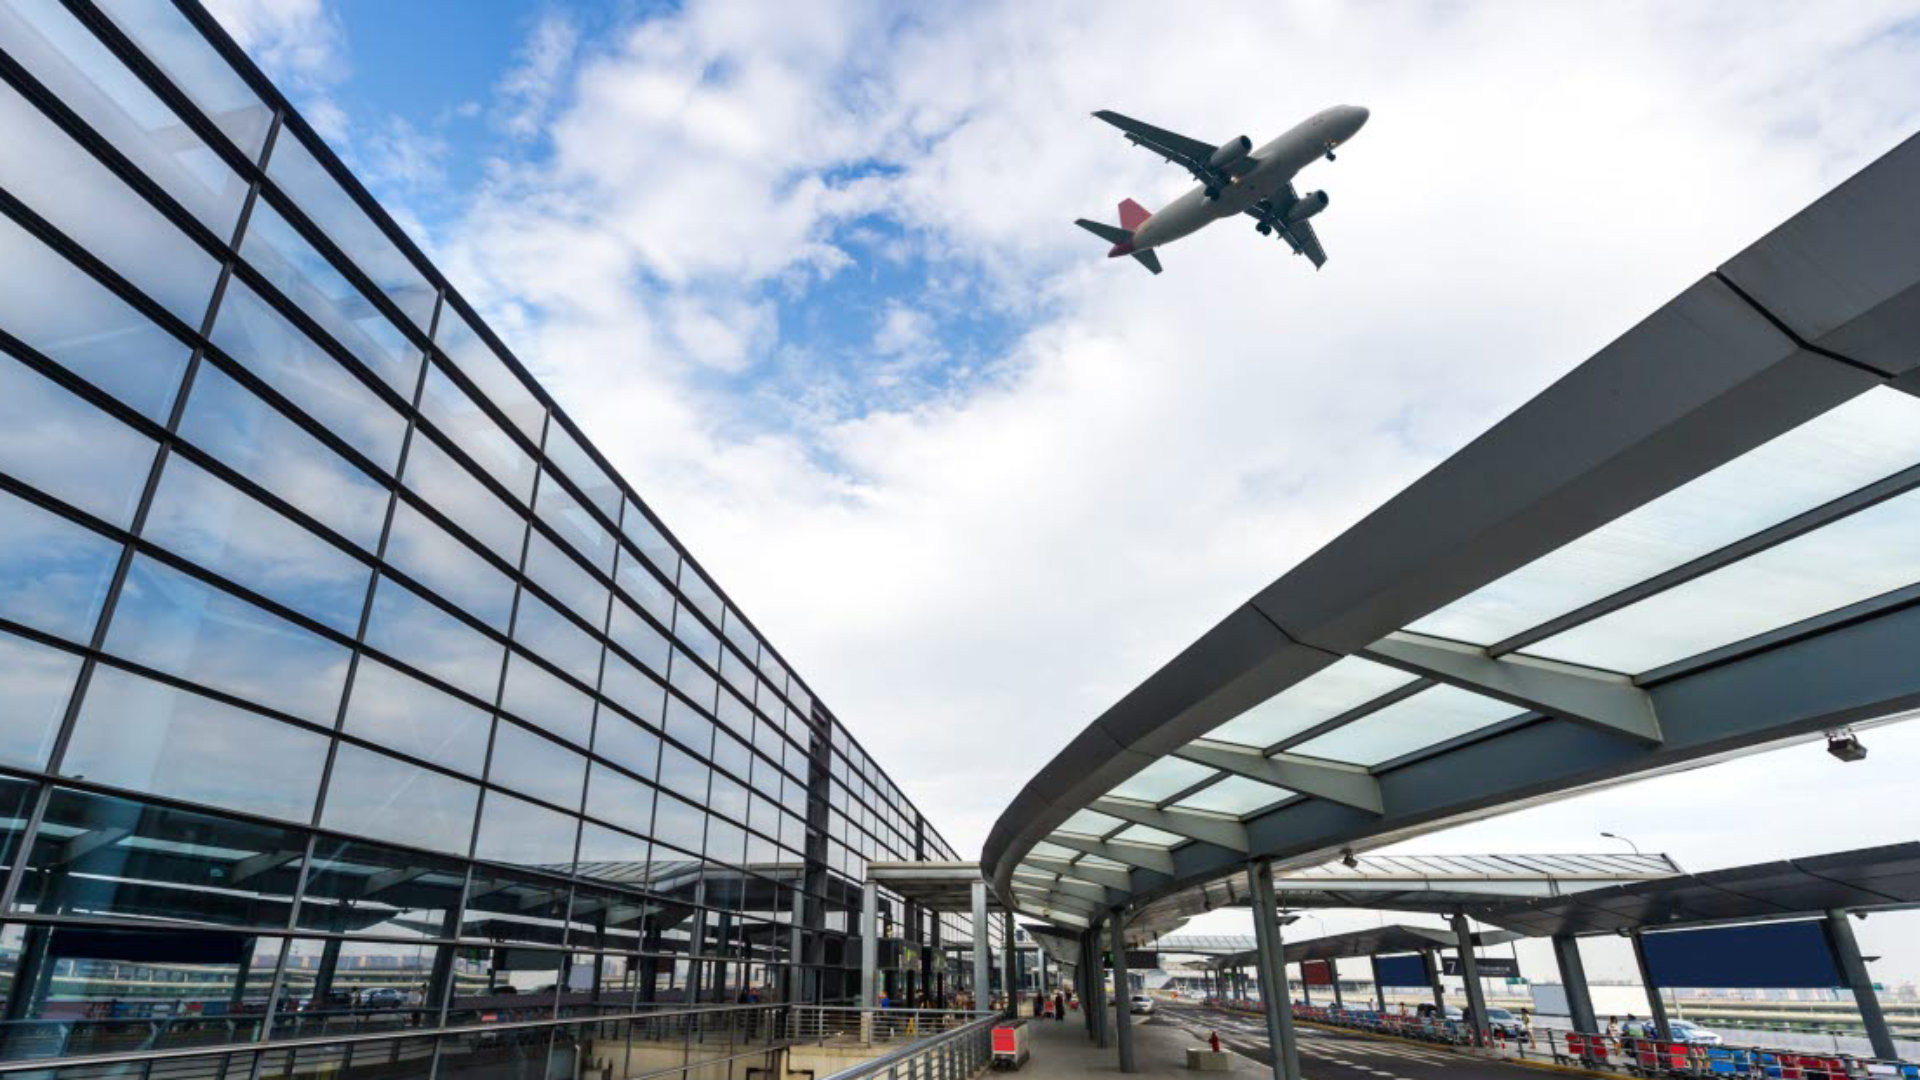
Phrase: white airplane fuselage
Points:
(1276, 164)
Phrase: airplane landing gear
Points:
(1263, 229)
(1330, 156)
(1212, 193)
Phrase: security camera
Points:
(1351, 863)
(1845, 745)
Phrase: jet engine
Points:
(1230, 151)
(1306, 206)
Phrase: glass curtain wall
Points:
(346, 686)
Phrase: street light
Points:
(1624, 840)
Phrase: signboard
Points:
(1767, 955)
(1408, 970)
(1316, 972)
(1491, 967)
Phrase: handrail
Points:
(41, 1064)
(887, 1061)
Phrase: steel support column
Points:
(1333, 974)
(1009, 963)
(982, 988)
(869, 959)
(1656, 1004)
(1854, 966)
(1122, 989)
(1433, 979)
(1470, 972)
(1379, 988)
(1275, 1001)
(1573, 976)
(1102, 1026)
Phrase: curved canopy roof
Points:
(1704, 539)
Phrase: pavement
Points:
(1161, 1041)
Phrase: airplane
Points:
(1234, 179)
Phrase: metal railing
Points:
(954, 1054)
(723, 1042)
(822, 1024)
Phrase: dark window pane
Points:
(384, 798)
(547, 701)
(71, 62)
(67, 316)
(72, 190)
(683, 773)
(354, 987)
(536, 766)
(192, 64)
(35, 682)
(728, 797)
(726, 842)
(620, 800)
(181, 625)
(448, 408)
(136, 733)
(477, 360)
(53, 574)
(298, 270)
(626, 744)
(735, 714)
(229, 422)
(678, 823)
(564, 514)
(298, 173)
(557, 640)
(519, 833)
(692, 680)
(450, 489)
(105, 855)
(633, 690)
(566, 581)
(432, 556)
(732, 755)
(412, 630)
(256, 335)
(360, 888)
(691, 728)
(399, 711)
(699, 640)
(212, 523)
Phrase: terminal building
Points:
(341, 670)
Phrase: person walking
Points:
(1059, 1005)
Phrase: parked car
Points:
(1503, 1022)
(383, 997)
(1141, 1003)
(1429, 1011)
(1684, 1031)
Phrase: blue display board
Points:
(1768, 955)
(1409, 970)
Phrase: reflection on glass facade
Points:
(342, 677)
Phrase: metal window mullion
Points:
(63, 736)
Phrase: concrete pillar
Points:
(1010, 963)
(1470, 973)
(1084, 979)
(1333, 972)
(1846, 949)
(1272, 968)
(1573, 976)
(1379, 988)
(1102, 1023)
(982, 989)
(869, 958)
(1433, 979)
(1122, 990)
(1656, 1004)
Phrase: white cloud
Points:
(971, 575)
(300, 45)
(528, 90)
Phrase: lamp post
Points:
(1624, 840)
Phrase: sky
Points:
(806, 273)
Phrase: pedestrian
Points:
(1059, 1005)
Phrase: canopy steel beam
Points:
(1191, 824)
(1158, 860)
(1097, 875)
(1598, 699)
(1345, 785)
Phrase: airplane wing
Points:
(1299, 235)
(1192, 154)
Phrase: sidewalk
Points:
(1061, 1051)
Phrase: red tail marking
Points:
(1133, 215)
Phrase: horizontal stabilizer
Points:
(1110, 233)
(1148, 259)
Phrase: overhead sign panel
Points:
(1491, 967)
(1408, 970)
(1766, 955)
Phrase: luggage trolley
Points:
(1010, 1044)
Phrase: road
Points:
(1339, 1055)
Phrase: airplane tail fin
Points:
(1106, 232)
(1133, 215)
(1122, 238)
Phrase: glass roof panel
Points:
(1856, 558)
(1870, 437)
(1428, 718)
(1101, 863)
(1234, 795)
(1147, 834)
(1162, 780)
(1052, 850)
(1090, 823)
(1348, 683)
